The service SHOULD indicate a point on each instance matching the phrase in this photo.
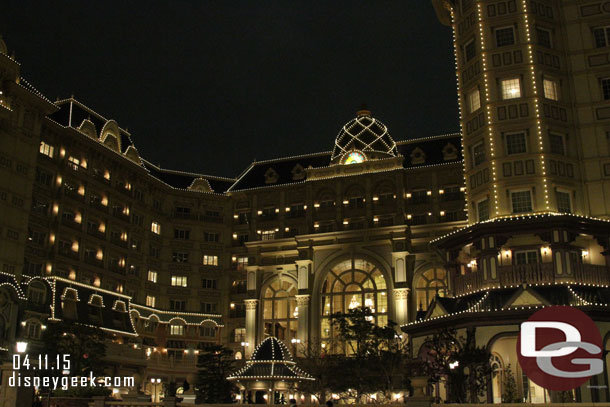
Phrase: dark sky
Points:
(208, 86)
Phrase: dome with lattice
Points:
(363, 138)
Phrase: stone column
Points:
(401, 305)
(303, 325)
(250, 326)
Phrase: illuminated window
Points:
(550, 89)
(563, 202)
(351, 284)
(354, 157)
(478, 154)
(511, 88)
(505, 36)
(429, 284)
(73, 163)
(209, 260)
(152, 276)
(179, 281)
(483, 209)
(155, 228)
(470, 50)
(605, 85)
(521, 201)
(515, 143)
(280, 310)
(474, 100)
(601, 35)
(556, 144)
(150, 301)
(176, 329)
(268, 234)
(46, 149)
(240, 335)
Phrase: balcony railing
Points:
(539, 273)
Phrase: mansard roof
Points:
(434, 150)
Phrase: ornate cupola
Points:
(363, 138)
(271, 360)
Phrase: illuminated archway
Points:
(280, 309)
(350, 285)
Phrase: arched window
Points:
(352, 285)
(429, 283)
(280, 310)
(37, 293)
(238, 355)
(497, 377)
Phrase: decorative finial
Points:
(364, 111)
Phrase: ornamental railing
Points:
(539, 273)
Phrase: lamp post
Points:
(21, 347)
(155, 382)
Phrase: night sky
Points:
(208, 86)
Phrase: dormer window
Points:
(418, 156)
(271, 176)
(298, 172)
(449, 152)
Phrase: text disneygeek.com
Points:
(66, 382)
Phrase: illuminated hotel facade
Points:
(472, 230)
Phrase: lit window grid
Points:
(474, 100)
(179, 281)
(530, 53)
(210, 260)
(460, 107)
(511, 88)
(550, 89)
(152, 276)
(46, 149)
(521, 201)
(150, 301)
(488, 109)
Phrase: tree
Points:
(460, 362)
(377, 355)
(510, 393)
(215, 364)
(321, 365)
(85, 347)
